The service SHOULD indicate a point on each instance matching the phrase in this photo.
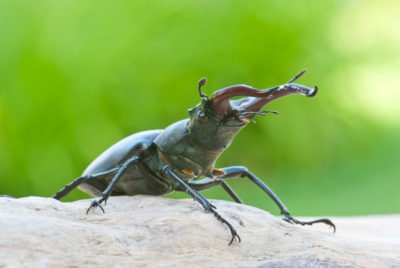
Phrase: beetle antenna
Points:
(296, 77)
(202, 83)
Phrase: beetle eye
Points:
(201, 116)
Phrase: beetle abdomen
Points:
(118, 152)
(113, 157)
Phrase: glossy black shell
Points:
(117, 154)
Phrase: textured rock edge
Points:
(162, 232)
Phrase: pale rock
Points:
(147, 231)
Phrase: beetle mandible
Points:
(157, 162)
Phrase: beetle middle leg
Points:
(240, 172)
(107, 192)
(201, 199)
(207, 183)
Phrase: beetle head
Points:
(220, 118)
(220, 107)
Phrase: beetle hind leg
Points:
(243, 172)
(75, 183)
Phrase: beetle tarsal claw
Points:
(96, 203)
(288, 218)
(234, 237)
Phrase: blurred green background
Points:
(77, 76)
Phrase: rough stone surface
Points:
(144, 231)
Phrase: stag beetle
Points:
(157, 162)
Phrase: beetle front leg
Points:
(107, 192)
(240, 172)
(185, 187)
(201, 199)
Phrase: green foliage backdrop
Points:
(77, 76)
